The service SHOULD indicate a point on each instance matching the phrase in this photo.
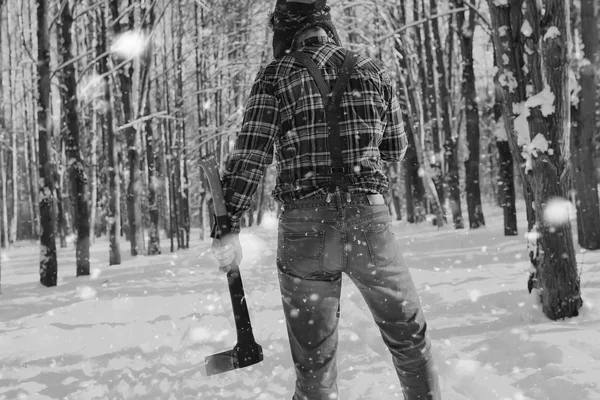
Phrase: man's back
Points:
(371, 129)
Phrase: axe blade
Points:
(242, 355)
(221, 362)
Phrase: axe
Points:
(246, 352)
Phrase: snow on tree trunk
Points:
(538, 114)
(583, 128)
(70, 130)
(48, 261)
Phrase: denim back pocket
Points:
(382, 243)
(303, 253)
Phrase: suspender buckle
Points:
(338, 171)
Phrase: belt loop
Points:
(348, 197)
(329, 197)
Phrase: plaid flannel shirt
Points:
(285, 114)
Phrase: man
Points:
(332, 118)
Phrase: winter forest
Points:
(108, 289)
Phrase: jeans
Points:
(317, 241)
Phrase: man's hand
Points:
(227, 250)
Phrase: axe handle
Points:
(234, 278)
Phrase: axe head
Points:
(243, 355)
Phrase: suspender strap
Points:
(315, 73)
(332, 110)
(339, 176)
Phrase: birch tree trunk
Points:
(75, 167)
(48, 260)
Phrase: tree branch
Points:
(420, 22)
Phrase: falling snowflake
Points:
(129, 45)
(474, 294)
(556, 212)
(86, 292)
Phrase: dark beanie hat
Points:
(293, 16)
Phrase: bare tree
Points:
(70, 129)
(48, 260)
(449, 159)
(2, 173)
(146, 63)
(3, 186)
(125, 75)
(113, 213)
(466, 32)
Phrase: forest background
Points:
(107, 105)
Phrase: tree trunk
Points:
(3, 186)
(507, 188)
(61, 209)
(14, 154)
(199, 20)
(94, 177)
(176, 142)
(449, 159)
(125, 74)
(28, 166)
(48, 261)
(553, 256)
(430, 102)
(113, 213)
(261, 203)
(76, 169)
(472, 187)
(583, 129)
(414, 186)
(153, 234)
(506, 178)
(395, 190)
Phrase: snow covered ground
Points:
(141, 330)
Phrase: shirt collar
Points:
(315, 39)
